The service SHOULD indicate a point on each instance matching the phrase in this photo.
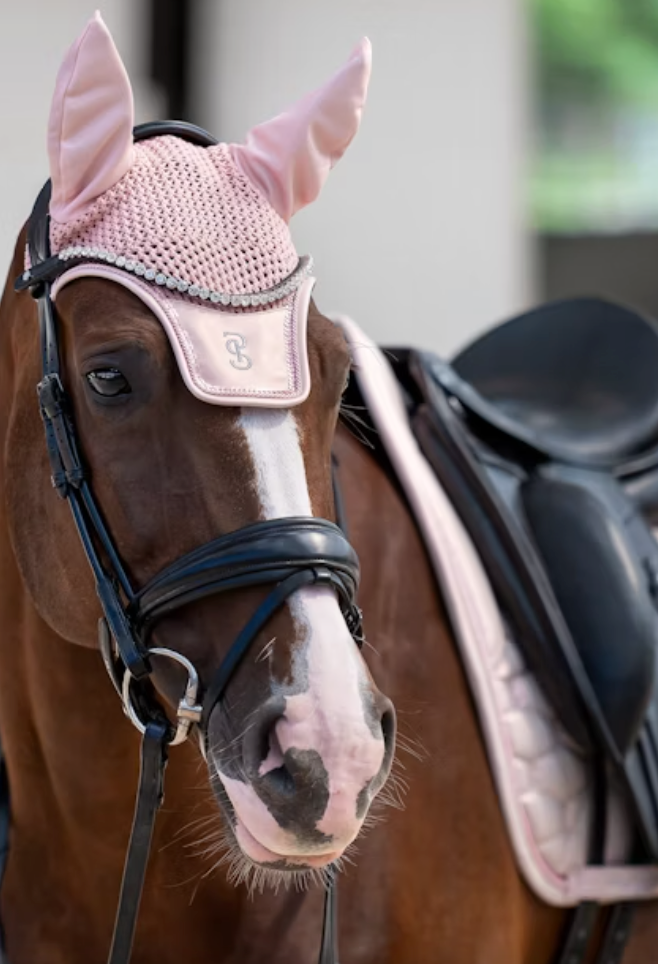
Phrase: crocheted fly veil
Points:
(200, 234)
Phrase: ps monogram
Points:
(235, 343)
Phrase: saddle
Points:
(544, 434)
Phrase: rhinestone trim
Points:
(289, 284)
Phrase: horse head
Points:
(204, 387)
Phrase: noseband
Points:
(289, 553)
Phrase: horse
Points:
(297, 756)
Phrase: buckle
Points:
(51, 395)
(354, 622)
(38, 274)
(188, 710)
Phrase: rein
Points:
(289, 553)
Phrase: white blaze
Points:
(277, 456)
(329, 717)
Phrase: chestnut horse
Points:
(302, 743)
(435, 883)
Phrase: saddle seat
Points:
(575, 379)
(543, 433)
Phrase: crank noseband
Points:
(288, 553)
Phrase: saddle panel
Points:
(575, 379)
(572, 565)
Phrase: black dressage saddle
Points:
(544, 433)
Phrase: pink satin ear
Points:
(90, 142)
(288, 158)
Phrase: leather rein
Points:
(289, 553)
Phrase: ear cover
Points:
(289, 158)
(90, 141)
(226, 358)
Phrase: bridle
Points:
(289, 553)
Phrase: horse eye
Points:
(108, 382)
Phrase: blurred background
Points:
(508, 153)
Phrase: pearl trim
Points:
(280, 291)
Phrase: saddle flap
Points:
(580, 524)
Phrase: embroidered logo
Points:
(235, 343)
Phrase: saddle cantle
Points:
(574, 379)
(544, 433)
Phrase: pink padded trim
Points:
(518, 728)
(212, 345)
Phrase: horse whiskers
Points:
(393, 792)
(351, 415)
(213, 847)
(267, 651)
(396, 780)
(238, 771)
(412, 747)
(241, 870)
(370, 645)
(234, 764)
(351, 422)
(189, 829)
(213, 773)
(396, 788)
(349, 412)
(235, 740)
(199, 843)
(220, 844)
(353, 407)
(387, 799)
(373, 818)
(408, 743)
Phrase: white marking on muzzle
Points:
(329, 716)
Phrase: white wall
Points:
(34, 36)
(419, 234)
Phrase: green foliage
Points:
(597, 50)
(597, 74)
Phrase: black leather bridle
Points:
(289, 553)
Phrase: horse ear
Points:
(90, 141)
(289, 158)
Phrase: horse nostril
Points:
(278, 775)
(389, 725)
(296, 793)
(260, 742)
(389, 728)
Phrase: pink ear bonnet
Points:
(198, 233)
